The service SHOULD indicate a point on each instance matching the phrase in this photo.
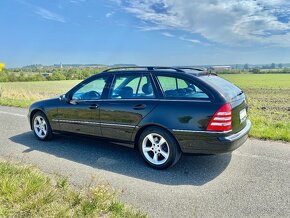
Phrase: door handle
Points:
(93, 106)
(139, 106)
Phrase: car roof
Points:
(154, 69)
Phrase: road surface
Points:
(253, 181)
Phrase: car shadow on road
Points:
(190, 170)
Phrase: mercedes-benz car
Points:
(161, 111)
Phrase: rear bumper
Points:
(211, 143)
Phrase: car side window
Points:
(92, 90)
(179, 88)
(132, 86)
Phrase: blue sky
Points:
(144, 32)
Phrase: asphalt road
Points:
(253, 181)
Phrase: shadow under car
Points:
(190, 170)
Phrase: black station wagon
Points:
(161, 111)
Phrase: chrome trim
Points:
(141, 99)
(145, 99)
(196, 131)
(115, 124)
(75, 121)
(130, 99)
(94, 123)
(88, 100)
(238, 135)
(185, 100)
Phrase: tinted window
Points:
(92, 90)
(132, 86)
(228, 89)
(179, 88)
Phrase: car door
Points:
(131, 98)
(81, 114)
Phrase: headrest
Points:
(147, 89)
(126, 92)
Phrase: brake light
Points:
(222, 119)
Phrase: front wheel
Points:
(41, 126)
(158, 148)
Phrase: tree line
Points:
(53, 74)
(17, 75)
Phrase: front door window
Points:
(91, 91)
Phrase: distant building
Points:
(221, 68)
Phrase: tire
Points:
(41, 127)
(158, 148)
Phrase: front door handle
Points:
(139, 106)
(93, 106)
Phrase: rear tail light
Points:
(222, 119)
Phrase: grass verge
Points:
(24, 103)
(26, 192)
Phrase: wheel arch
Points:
(143, 128)
(33, 112)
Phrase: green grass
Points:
(26, 192)
(269, 103)
(22, 94)
(268, 98)
(265, 81)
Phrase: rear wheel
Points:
(158, 148)
(41, 126)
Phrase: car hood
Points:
(52, 102)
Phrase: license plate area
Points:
(243, 115)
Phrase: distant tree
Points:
(246, 66)
(12, 77)
(4, 76)
(57, 76)
(273, 66)
(256, 70)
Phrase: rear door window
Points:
(132, 87)
(180, 88)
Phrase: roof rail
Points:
(204, 71)
(149, 68)
(192, 68)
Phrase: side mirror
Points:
(62, 97)
(65, 98)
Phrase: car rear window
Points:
(179, 88)
(229, 90)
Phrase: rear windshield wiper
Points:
(240, 93)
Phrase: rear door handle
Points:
(93, 106)
(139, 106)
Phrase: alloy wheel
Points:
(155, 149)
(40, 127)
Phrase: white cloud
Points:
(195, 41)
(167, 34)
(109, 14)
(231, 22)
(49, 15)
(77, 1)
